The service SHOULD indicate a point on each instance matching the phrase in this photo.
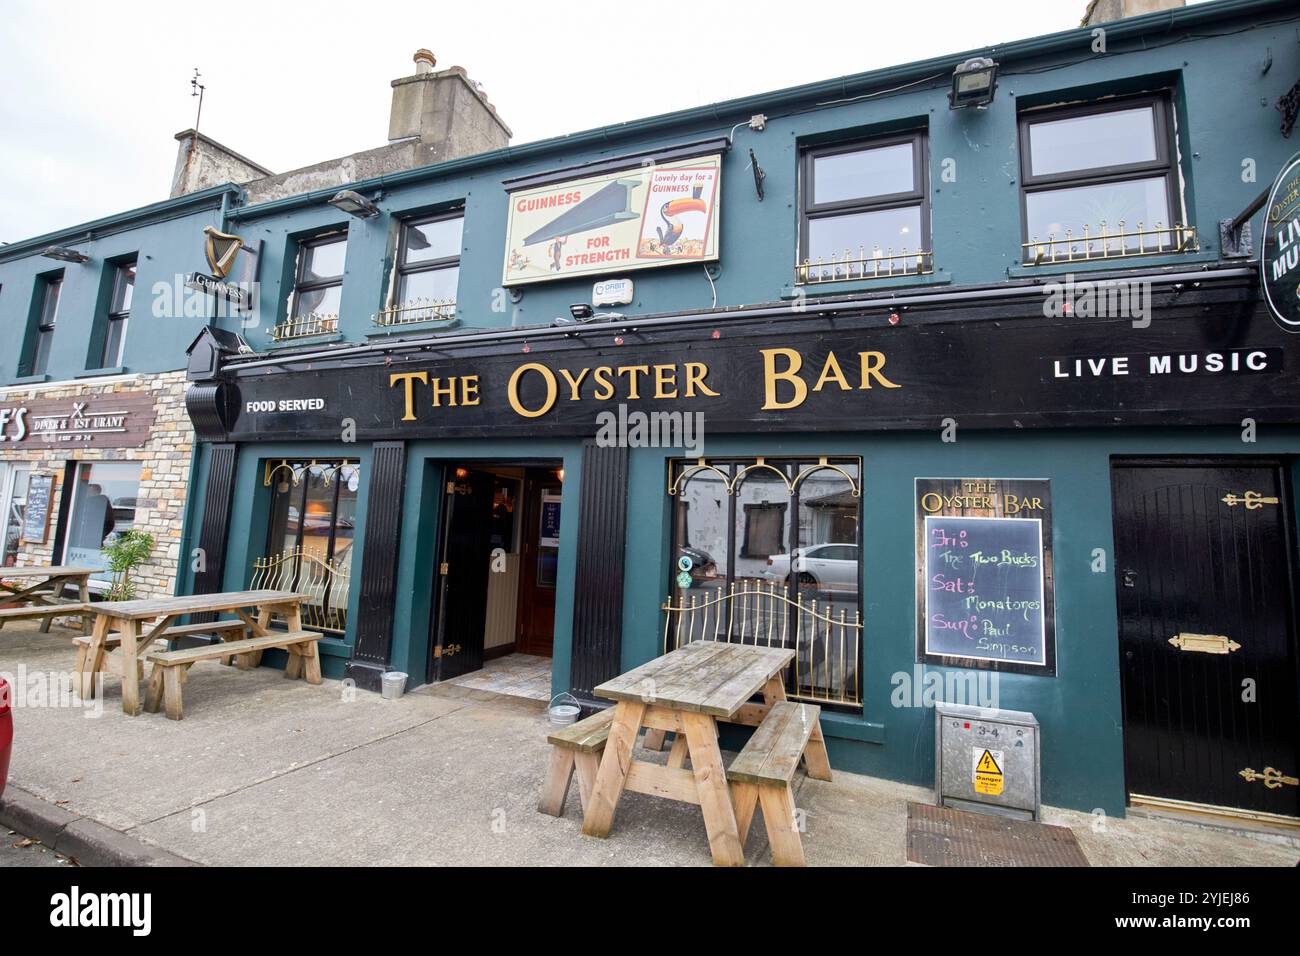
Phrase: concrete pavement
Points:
(268, 771)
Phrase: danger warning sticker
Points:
(987, 772)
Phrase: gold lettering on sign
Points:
(772, 375)
(665, 381)
(574, 383)
(695, 373)
(552, 389)
(871, 372)
(409, 379)
(632, 371)
(604, 387)
(832, 371)
(872, 363)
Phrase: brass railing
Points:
(878, 264)
(827, 642)
(417, 310)
(325, 583)
(317, 323)
(1106, 243)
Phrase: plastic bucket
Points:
(393, 686)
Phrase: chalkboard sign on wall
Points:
(984, 574)
(36, 519)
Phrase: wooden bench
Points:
(762, 771)
(170, 667)
(113, 640)
(47, 611)
(577, 746)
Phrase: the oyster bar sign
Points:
(115, 420)
(1279, 260)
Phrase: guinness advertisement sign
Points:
(233, 275)
(1279, 259)
(1211, 359)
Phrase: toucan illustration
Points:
(673, 208)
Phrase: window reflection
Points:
(768, 553)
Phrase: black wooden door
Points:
(462, 573)
(1207, 634)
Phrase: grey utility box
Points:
(987, 760)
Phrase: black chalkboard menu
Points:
(36, 517)
(984, 574)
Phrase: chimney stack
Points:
(1104, 11)
(445, 111)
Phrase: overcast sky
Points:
(93, 92)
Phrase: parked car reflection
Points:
(827, 567)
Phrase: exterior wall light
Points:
(354, 204)
(973, 83)
(64, 254)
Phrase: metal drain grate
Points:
(941, 836)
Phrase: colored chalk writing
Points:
(984, 588)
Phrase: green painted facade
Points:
(1209, 55)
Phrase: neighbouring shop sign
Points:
(639, 218)
(984, 573)
(36, 516)
(1279, 260)
(110, 420)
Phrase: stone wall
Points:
(164, 476)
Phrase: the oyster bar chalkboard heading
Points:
(984, 579)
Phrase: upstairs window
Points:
(865, 211)
(1099, 181)
(317, 289)
(119, 311)
(428, 271)
(49, 290)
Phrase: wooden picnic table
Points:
(128, 619)
(687, 691)
(41, 587)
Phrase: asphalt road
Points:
(13, 852)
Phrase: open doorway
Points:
(493, 624)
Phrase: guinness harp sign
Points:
(659, 214)
(234, 268)
(1279, 260)
(221, 249)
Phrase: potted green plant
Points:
(125, 553)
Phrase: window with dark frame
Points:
(766, 550)
(317, 288)
(311, 529)
(119, 312)
(1101, 181)
(428, 270)
(43, 339)
(764, 529)
(865, 210)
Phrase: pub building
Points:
(968, 379)
(94, 438)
